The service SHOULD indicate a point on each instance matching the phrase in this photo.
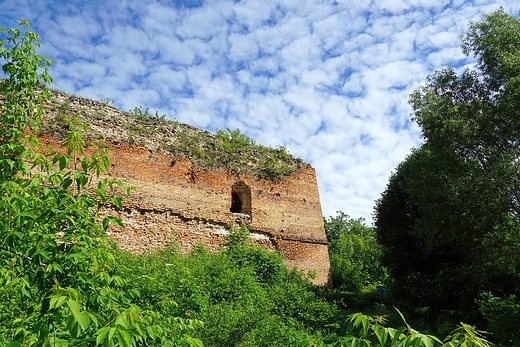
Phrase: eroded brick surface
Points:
(176, 201)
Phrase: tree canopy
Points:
(448, 219)
(354, 253)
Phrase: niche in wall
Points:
(240, 198)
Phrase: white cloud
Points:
(252, 13)
(328, 79)
(243, 48)
(205, 22)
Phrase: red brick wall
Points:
(177, 201)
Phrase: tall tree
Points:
(449, 217)
(354, 253)
(476, 115)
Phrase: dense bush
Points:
(503, 318)
(244, 294)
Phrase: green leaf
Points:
(382, 335)
(67, 182)
(25, 292)
(101, 192)
(84, 163)
(397, 334)
(64, 161)
(57, 301)
(101, 333)
(124, 338)
(111, 334)
(194, 342)
(78, 321)
(427, 341)
(106, 223)
(27, 214)
(111, 219)
(73, 327)
(118, 202)
(123, 320)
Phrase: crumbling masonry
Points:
(178, 201)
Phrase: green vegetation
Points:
(233, 151)
(449, 218)
(354, 253)
(502, 316)
(62, 283)
(227, 149)
(58, 285)
(141, 118)
(244, 294)
(364, 330)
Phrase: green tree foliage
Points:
(503, 318)
(448, 219)
(441, 243)
(366, 331)
(57, 280)
(354, 253)
(474, 116)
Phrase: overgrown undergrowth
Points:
(244, 295)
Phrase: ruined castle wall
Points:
(177, 201)
(147, 231)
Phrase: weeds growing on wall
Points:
(228, 149)
(234, 151)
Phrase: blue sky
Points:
(330, 80)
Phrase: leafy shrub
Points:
(244, 294)
(268, 266)
(58, 285)
(274, 331)
(354, 253)
(144, 121)
(367, 331)
(233, 140)
(503, 318)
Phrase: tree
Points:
(440, 241)
(449, 217)
(476, 115)
(354, 253)
(57, 282)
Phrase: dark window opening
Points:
(236, 203)
(240, 198)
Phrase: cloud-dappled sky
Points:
(330, 80)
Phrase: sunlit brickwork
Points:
(177, 201)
